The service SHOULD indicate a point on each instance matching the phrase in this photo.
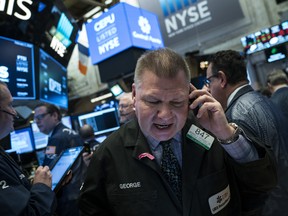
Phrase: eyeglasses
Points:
(40, 116)
(207, 81)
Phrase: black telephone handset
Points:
(196, 109)
(87, 147)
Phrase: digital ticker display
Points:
(53, 81)
(265, 38)
(276, 53)
(17, 67)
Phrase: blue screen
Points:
(17, 67)
(120, 28)
(22, 141)
(53, 81)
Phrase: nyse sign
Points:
(187, 18)
(23, 13)
(106, 37)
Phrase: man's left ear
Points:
(223, 78)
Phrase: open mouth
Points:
(162, 126)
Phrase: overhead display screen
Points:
(17, 67)
(276, 53)
(265, 38)
(120, 28)
(53, 81)
(45, 23)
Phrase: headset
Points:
(9, 113)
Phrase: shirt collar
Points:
(50, 134)
(231, 96)
(153, 143)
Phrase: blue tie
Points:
(171, 168)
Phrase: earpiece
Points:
(9, 113)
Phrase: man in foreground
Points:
(17, 195)
(166, 163)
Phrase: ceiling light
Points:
(102, 97)
(97, 15)
(92, 12)
(107, 2)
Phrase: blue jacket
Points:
(280, 98)
(18, 196)
(62, 138)
(262, 120)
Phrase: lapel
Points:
(141, 147)
(192, 155)
(191, 162)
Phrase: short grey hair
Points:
(163, 62)
(277, 77)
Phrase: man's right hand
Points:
(43, 175)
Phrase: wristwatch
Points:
(234, 137)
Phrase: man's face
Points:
(161, 105)
(6, 120)
(215, 86)
(126, 109)
(44, 120)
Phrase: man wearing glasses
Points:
(48, 120)
(18, 196)
(254, 113)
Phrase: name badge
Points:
(200, 137)
(218, 201)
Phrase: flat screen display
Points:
(102, 121)
(45, 23)
(53, 81)
(66, 160)
(116, 90)
(22, 141)
(276, 53)
(17, 67)
(265, 38)
(40, 139)
(66, 120)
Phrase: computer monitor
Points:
(52, 81)
(66, 120)
(22, 141)
(40, 139)
(102, 121)
(17, 67)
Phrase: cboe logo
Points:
(19, 9)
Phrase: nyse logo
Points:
(183, 15)
(22, 13)
(171, 6)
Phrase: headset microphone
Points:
(9, 113)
